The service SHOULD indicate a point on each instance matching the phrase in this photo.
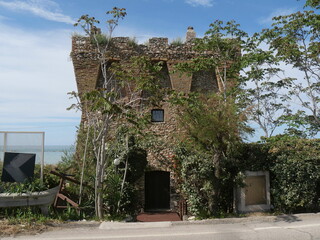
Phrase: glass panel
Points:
(157, 115)
(23, 142)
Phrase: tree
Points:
(100, 106)
(116, 102)
(313, 3)
(224, 41)
(261, 92)
(245, 70)
(213, 127)
(267, 108)
(295, 40)
(214, 123)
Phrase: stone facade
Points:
(86, 64)
(87, 73)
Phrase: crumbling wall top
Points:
(158, 43)
(125, 47)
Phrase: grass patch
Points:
(177, 42)
(100, 39)
(133, 42)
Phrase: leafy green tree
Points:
(214, 123)
(313, 3)
(224, 41)
(261, 92)
(212, 127)
(295, 40)
(245, 70)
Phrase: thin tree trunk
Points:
(125, 173)
(83, 165)
(100, 176)
(122, 184)
(217, 184)
(96, 184)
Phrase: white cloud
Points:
(277, 12)
(35, 76)
(203, 3)
(46, 9)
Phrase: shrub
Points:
(34, 184)
(198, 183)
(294, 166)
(252, 157)
(295, 175)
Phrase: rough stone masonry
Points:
(87, 73)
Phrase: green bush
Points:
(116, 205)
(294, 166)
(34, 184)
(295, 174)
(197, 184)
(252, 157)
(129, 200)
(137, 164)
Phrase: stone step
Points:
(158, 217)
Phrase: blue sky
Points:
(35, 42)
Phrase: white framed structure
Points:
(255, 195)
(23, 142)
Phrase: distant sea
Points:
(52, 153)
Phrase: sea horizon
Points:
(52, 153)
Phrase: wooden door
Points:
(157, 190)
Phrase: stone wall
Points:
(86, 66)
(87, 71)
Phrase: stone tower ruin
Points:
(87, 74)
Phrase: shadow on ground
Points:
(287, 218)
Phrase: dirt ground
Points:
(13, 229)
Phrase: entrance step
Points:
(158, 217)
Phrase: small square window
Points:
(157, 115)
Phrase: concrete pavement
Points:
(298, 226)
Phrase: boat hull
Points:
(42, 199)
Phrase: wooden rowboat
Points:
(41, 199)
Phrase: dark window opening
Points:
(157, 115)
